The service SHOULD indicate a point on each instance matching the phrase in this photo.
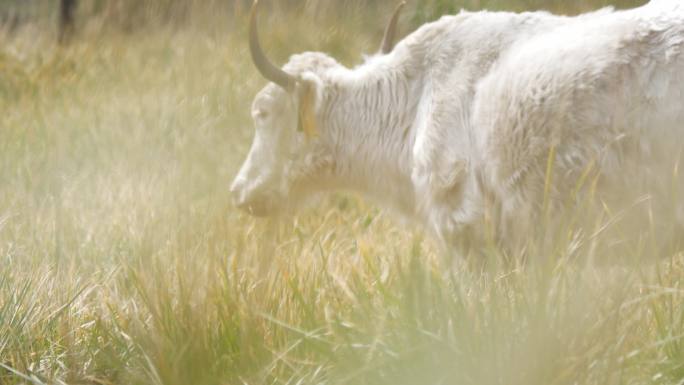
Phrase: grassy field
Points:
(122, 260)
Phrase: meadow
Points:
(123, 260)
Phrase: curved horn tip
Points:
(270, 71)
(390, 31)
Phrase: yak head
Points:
(287, 153)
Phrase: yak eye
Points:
(261, 114)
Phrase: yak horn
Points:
(391, 30)
(267, 69)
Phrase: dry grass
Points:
(122, 260)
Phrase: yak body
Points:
(478, 114)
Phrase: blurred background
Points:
(130, 15)
(123, 260)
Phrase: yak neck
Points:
(368, 116)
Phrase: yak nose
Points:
(252, 203)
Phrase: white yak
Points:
(474, 115)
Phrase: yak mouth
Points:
(258, 209)
(261, 208)
(258, 212)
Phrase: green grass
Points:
(122, 260)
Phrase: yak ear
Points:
(307, 93)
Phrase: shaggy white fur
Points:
(464, 113)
